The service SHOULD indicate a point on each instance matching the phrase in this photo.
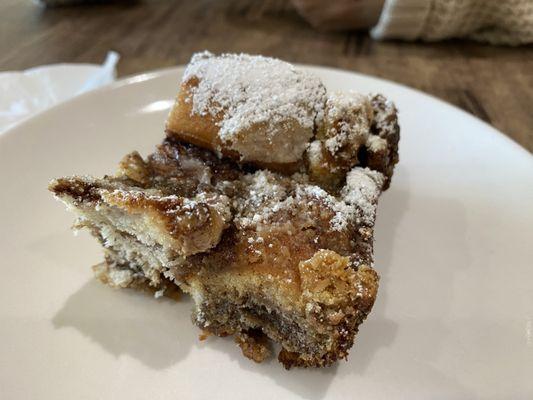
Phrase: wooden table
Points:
(493, 83)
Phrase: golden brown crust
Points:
(187, 225)
(337, 299)
(191, 226)
(185, 125)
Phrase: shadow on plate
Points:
(127, 322)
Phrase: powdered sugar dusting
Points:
(348, 116)
(357, 201)
(267, 193)
(343, 214)
(264, 193)
(253, 90)
(375, 143)
(314, 152)
(362, 189)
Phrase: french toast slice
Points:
(260, 204)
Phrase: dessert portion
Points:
(260, 204)
(259, 252)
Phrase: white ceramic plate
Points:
(454, 238)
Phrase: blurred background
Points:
(474, 54)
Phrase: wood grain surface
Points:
(493, 83)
